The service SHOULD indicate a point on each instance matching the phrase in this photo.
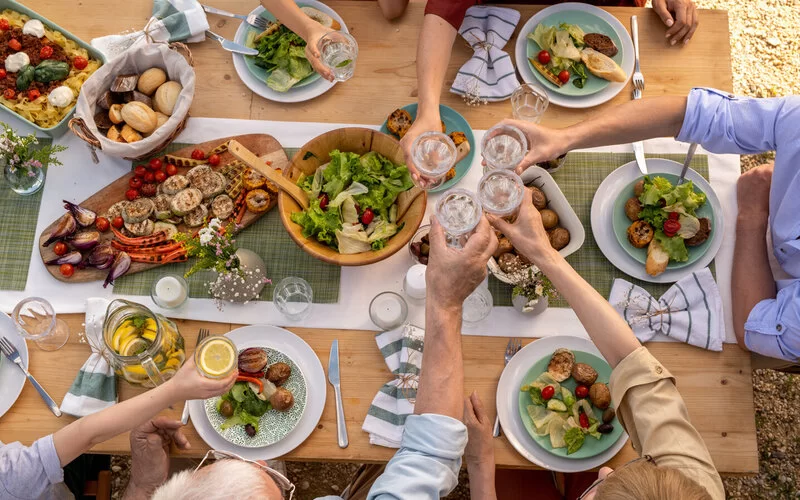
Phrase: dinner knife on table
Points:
(231, 46)
(334, 379)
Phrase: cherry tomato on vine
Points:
(160, 176)
(135, 183)
(132, 194)
(139, 171)
(171, 169)
(155, 164)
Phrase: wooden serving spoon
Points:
(271, 174)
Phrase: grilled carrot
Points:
(175, 256)
(141, 248)
(141, 240)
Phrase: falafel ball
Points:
(282, 399)
(549, 218)
(632, 208)
(539, 199)
(559, 238)
(279, 373)
(509, 263)
(584, 374)
(600, 395)
(638, 188)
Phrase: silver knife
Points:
(638, 152)
(232, 46)
(334, 379)
(686, 162)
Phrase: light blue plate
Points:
(589, 23)
(453, 122)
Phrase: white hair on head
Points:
(222, 480)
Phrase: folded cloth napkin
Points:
(402, 350)
(690, 311)
(95, 387)
(171, 21)
(489, 75)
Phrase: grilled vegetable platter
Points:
(128, 226)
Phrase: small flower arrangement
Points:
(23, 161)
(532, 284)
(214, 248)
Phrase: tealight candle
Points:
(414, 284)
(169, 291)
(388, 310)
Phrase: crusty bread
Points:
(601, 43)
(322, 18)
(399, 122)
(657, 259)
(602, 66)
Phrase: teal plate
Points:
(261, 73)
(621, 223)
(591, 446)
(453, 122)
(589, 23)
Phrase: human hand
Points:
(150, 454)
(543, 143)
(188, 383)
(431, 122)
(453, 274)
(680, 17)
(314, 33)
(526, 233)
(480, 448)
(752, 193)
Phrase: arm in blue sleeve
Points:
(426, 465)
(722, 123)
(29, 471)
(773, 326)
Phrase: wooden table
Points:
(713, 384)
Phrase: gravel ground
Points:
(766, 63)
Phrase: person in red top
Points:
(439, 30)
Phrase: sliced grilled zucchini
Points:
(196, 217)
(138, 210)
(186, 201)
(174, 184)
(162, 206)
(143, 228)
(222, 207)
(168, 228)
(115, 210)
(196, 173)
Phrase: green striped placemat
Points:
(266, 237)
(578, 180)
(18, 230)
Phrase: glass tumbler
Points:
(339, 51)
(36, 320)
(293, 297)
(501, 192)
(434, 154)
(478, 305)
(459, 212)
(503, 147)
(529, 102)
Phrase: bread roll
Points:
(602, 66)
(657, 259)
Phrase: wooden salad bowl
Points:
(317, 153)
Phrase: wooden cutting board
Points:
(264, 146)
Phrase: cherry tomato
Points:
(584, 420)
(102, 224)
(3, 73)
(4, 24)
(171, 169)
(33, 94)
(67, 270)
(671, 227)
(118, 222)
(132, 194)
(674, 216)
(323, 201)
(139, 171)
(155, 164)
(14, 44)
(581, 391)
(80, 62)
(214, 160)
(544, 57)
(160, 176)
(135, 183)
(548, 392)
(198, 155)
(60, 248)
(9, 94)
(367, 216)
(46, 52)
(149, 177)
(149, 190)
(564, 76)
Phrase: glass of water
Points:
(36, 320)
(434, 155)
(501, 192)
(293, 297)
(503, 147)
(459, 212)
(339, 51)
(478, 305)
(529, 102)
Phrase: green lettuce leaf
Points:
(675, 246)
(685, 195)
(574, 438)
(282, 54)
(654, 190)
(653, 214)
(574, 31)
(544, 36)
(318, 223)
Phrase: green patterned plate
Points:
(273, 425)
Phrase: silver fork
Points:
(12, 354)
(253, 20)
(513, 347)
(638, 77)
(200, 337)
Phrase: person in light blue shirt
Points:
(427, 464)
(766, 312)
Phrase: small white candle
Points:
(414, 285)
(170, 292)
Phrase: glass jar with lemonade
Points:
(144, 348)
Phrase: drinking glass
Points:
(478, 305)
(503, 147)
(293, 296)
(434, 154)
(339, 51)
(459, 212)
(388, 310)
(529, 102)
(36, 320)
(501, 192)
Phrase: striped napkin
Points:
(489, 75)
(402, 350)
(690, 311)
(95, 387)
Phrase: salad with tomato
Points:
(560, 57)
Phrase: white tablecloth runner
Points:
(79, 178)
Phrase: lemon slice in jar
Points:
(134, 346)
(217, 357)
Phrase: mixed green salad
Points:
(563, 46)
(353, 201)
(242, 407)
(282, 54)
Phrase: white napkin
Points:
(490, 73)
(402, 349)
(95, 387)
(690, 311)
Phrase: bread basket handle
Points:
(182, 47)
(79, 128)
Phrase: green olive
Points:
(226, 409)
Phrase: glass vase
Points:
(24, 181)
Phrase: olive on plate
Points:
(226, 409)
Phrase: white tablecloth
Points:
(79, 178)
